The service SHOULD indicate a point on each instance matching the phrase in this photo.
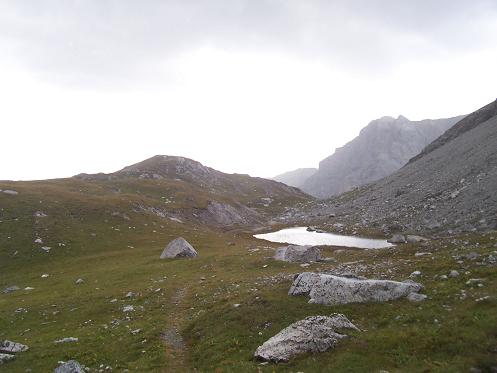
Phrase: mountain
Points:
(450, 186)
(382, 147)
(295, 178)
(194, 191)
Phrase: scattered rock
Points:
(179, 248)
(298, 254)
(397, 238)
(72, 366)
(329, 289)
(312, 334)
(67, 340)
(128, 308)
(454, 273)
(415, 274)
(46, 248)
(38, 240)
(40, 214)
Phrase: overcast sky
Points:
(248, 86)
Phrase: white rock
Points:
(312, 334)
(128, 308)
(329, 289)
(67, 340)
(12, 347)
(71, 366)
(45, 275)
(79, 281)
(38, 240)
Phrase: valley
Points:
(82, 279)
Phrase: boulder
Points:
(312, 334)
(72, 366)
(329, 289)
(10, 347)
(298, 254)
(397, 238)
(179, 248)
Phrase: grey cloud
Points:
(123, 41)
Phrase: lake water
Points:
(300, 236)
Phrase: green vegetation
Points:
(119, 253)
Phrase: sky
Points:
(248, 86)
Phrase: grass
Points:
(115, 256)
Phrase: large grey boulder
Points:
(179, 248)
(329, 289)
(298, 254)
(10, 347)
(72, 366)
(312, 334)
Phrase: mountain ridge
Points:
(382, 147)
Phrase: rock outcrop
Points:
(312, 334)
(179, 248)
(298, 254)
(329, 289)
(381, 148)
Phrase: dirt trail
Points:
(173, 341)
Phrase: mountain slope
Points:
(381, 148)
(185, 189)
(450, 187)
(295, 178)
